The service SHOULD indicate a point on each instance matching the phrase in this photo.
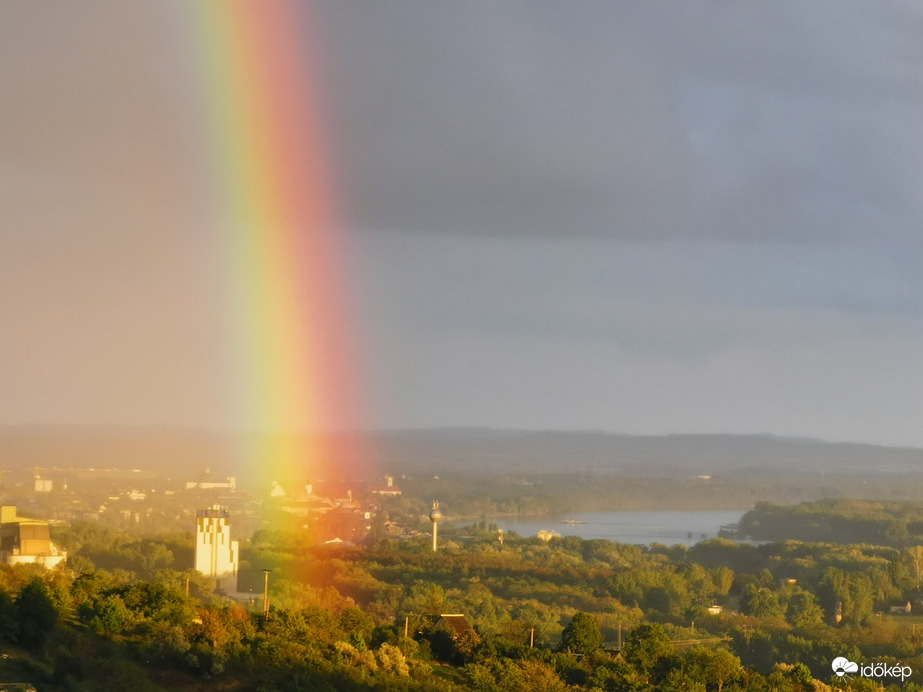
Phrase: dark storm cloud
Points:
(504, 118)
(639, 120)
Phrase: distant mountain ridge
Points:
(559, 451)
(465, 450)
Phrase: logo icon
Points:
(842, 666)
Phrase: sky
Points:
(647, 218)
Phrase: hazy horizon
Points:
(439, 429)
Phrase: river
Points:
(642, 528)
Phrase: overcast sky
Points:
(636, 217)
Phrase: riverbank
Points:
(636, 527)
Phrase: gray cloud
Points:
(682, 299)
(505, 118)
(632, 120)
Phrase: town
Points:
(325, 512)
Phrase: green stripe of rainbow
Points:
(275, 201)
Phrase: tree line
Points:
(566, 614)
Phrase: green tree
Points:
(697, 583)
(803, 609)
(37, 614)
(158, 602)
(680, 681)
(111, 616)
(715, 667)
(624, 586)
(466, 644)
(504, 675)
(647, 648)
(802, 674)
(657, 600)
(761, 601)
(861, 604)
(723, 578)
(582, 635)
(541, 678)
(9, 618)
(155, 556)
(354, 621)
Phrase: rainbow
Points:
(292, 357)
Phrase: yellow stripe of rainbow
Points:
(275, 200)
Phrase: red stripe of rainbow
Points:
(276, 206)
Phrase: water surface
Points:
(642, 528)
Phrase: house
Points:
(207, 482)
(456, 624)
(715, 609)
(388, 489)
(901, 609)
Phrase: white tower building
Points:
(216, 555)
(435, 516)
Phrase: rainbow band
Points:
(275, 207)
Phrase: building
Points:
(456, 624)
(208, 482)
(216, 555)
(24, 540)
(901, 608)
(388, 489)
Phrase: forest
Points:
(563, 614)
(897, 524)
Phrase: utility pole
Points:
(532, 639)
(266, 594)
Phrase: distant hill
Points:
(507, 451)
(468, 450)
